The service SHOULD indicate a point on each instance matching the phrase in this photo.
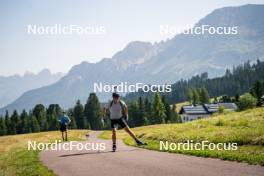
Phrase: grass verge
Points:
(15, 159)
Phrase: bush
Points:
(220, 122)
(221, 109)
(246, 101)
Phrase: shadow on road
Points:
(98, 152)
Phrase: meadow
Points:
(245, 128)
(15, 159)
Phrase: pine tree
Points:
(237, 97)
(138, 114)
(73, 121)
(174, 117)
(54, 121)
(190, 95)
(73, 124)
(7, 123)
(15, 123)
(54, 108)
(158, 110)
(34, 124)
(167, 109)
(132, 113)
(92, 112)
(148, 110)
(3, 130)
(203, 95)
(195, 97)
(78, 113)
(39, 112)
(53, 113)
(258, 91)
(225, 99)
(141, 113)
(25, 122)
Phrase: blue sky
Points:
(124, 20)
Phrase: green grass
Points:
(180, 105)
(244, 128)
(15, 159)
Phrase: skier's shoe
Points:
(139, 143)
(114, 148)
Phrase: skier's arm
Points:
(104, 112)
(69, 121)
(126, 110)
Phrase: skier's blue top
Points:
(64, 120)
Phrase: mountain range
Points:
(165, 62)
(12, 87)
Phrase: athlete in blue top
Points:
(64, 122)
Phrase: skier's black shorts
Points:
(63, 127)
(121, 122)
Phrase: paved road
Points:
(130, 161)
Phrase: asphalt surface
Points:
(131, 161)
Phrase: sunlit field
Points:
(244, 128)
(15, 159)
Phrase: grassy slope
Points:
(179, 105)
(15, 159)
(245, 128)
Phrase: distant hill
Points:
(11, 87)
(164, 62)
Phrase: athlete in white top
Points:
(118, 116)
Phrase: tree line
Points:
(150, 108)
(148, 112)
(251, 99)
(141, 112)
(47, 119)
(198, 96)
(87, 116)
(39, 119)
(233, 83)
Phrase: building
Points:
(228, 106)
(211, 108)
(190, 113)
